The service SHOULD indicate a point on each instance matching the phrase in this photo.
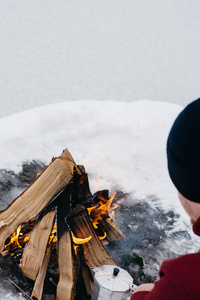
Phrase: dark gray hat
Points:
(183, 152)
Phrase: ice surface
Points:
(121, 50)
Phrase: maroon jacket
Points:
(179, 278)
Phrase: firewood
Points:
(66, 264)
(39, 282)
(81, 226)
(5, 252)
(84, 195)
(113, 233)
(66, 268)
(87, 277)
(37, 196)
(35, 250)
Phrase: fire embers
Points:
(15, 243)
(101, 209)
(98, 212)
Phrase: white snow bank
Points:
(122, 145)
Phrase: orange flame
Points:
(80, 241)
(102, 208)
(75, 247)
(53, 236)
(96, 213)
(102, 237)
(14, 239)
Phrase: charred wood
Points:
(87, 277)
(113, 233)
(81, 226)
(65, 255)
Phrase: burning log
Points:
(81, 226)
(39, 282)
(65, 256)
(35, 198)
(35, 250)
(99, 213)
(62, 189)
(113, 233)
(17, 240)
(87, 277)
(5, 253)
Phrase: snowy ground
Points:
(122, 50)
(121, 145)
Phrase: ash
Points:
(152, 235)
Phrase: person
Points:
(180, 277)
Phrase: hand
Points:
(144, 287)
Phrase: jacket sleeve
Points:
(139, 295)
(167, 288)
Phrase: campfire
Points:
(58, 213)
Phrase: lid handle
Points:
(116, 271)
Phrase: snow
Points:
(67, 50)
(122, 145)
(123, 50)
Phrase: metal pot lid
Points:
(113, 278)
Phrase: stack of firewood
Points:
(61, 197)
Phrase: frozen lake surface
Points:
(102, 50)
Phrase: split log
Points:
(39, 282)
(35, 250)
(65, 255)
(113, 233)
(66, 268)
(94, 253)
(37, 196)
(106, 224)
(84, 195)
(87, 277)
(5, 253)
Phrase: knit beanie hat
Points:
(183, 152)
